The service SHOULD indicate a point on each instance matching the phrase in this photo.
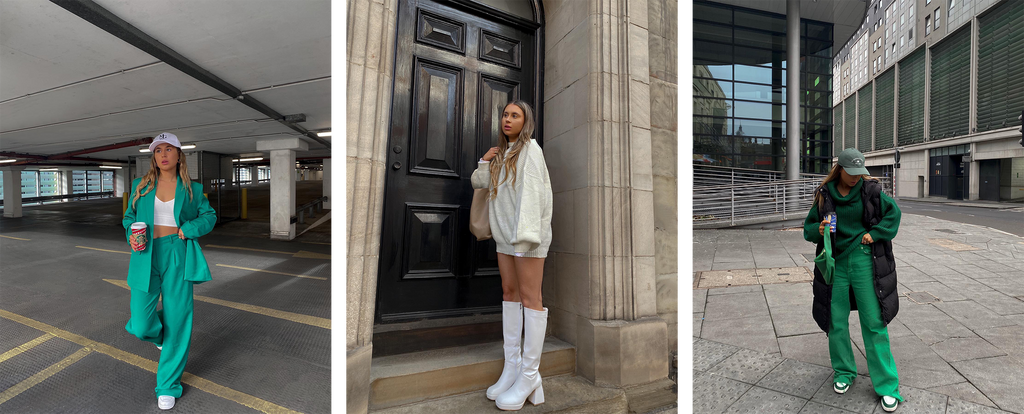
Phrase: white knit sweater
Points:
(520, 217)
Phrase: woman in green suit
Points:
(176, 213)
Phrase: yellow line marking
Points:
(15, 238)
(103, 250)
(273, 313)
(299, 254)
(43, 375)
(150, 365)
(271, 271)
(25, 347)
(246, 248)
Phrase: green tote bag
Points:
(825, 262)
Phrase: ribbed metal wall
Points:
(951, 86)
(884, 103)
(1001, 66)
(911, 108)
(864, 99)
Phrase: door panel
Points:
(454, 72)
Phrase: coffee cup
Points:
(139, 235)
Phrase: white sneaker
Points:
(165, 402)
(889, 403)
(840, 387)
(160, 347)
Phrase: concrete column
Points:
(327, 182)
(973, 174)
(972, 123)
(254, 174)
(68, 181)
(793, 96)
(282, 184)
(12, 191)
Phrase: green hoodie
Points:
(850, 227)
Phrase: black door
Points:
(938, 176)
(454, 72)
(956, 181)
(988, 176)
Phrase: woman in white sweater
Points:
(520, 217)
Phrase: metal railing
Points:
(309, 210)
(69, 197)
(709, 175)
(758, 202)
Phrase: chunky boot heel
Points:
(537, 398)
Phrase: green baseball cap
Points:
(853, 162)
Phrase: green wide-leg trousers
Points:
(857, 270)
(172, 326)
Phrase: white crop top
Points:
(163, 213)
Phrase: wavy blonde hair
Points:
(833, 175)
(507, 157)
(149, 180)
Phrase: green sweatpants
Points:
(857, 269)
(171, 327)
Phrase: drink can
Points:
(832, 222)
(139, 235)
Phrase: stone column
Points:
(12, 191)
(600, 274)
(282, 184)
(371, 59)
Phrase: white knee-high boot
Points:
(512, 331)
(528, 384)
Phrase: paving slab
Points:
(818, 408)
(747, 366)
(859, 398)
(727, 278)
(699, 299)
(707, 354)
(968, 288)
(773, 275)
(956, 406)
(715, 393)
(999, 378)
(761, 400)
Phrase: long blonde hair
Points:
(506, 157)
(149, 180)
(834, 174)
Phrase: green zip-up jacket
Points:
(850, 227)
(195, 218)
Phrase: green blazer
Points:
(195, 218)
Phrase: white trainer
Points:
(165, 402)
(840, 387)
(889, 403)
(160, 347)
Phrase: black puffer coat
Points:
(881, 251)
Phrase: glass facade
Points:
(48, 183)
(739, 89)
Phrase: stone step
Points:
(656, 397)
(563, 394)
(419, 376)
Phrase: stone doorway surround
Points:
(600, 280)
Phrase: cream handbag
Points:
(479, 222)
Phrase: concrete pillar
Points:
(973, 174)
(12, 191)
(254, 174)
(68, 181)
(327, 182)
(793, 98)
(282, 184)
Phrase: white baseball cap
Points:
(165, 138)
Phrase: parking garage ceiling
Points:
(67, 84)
